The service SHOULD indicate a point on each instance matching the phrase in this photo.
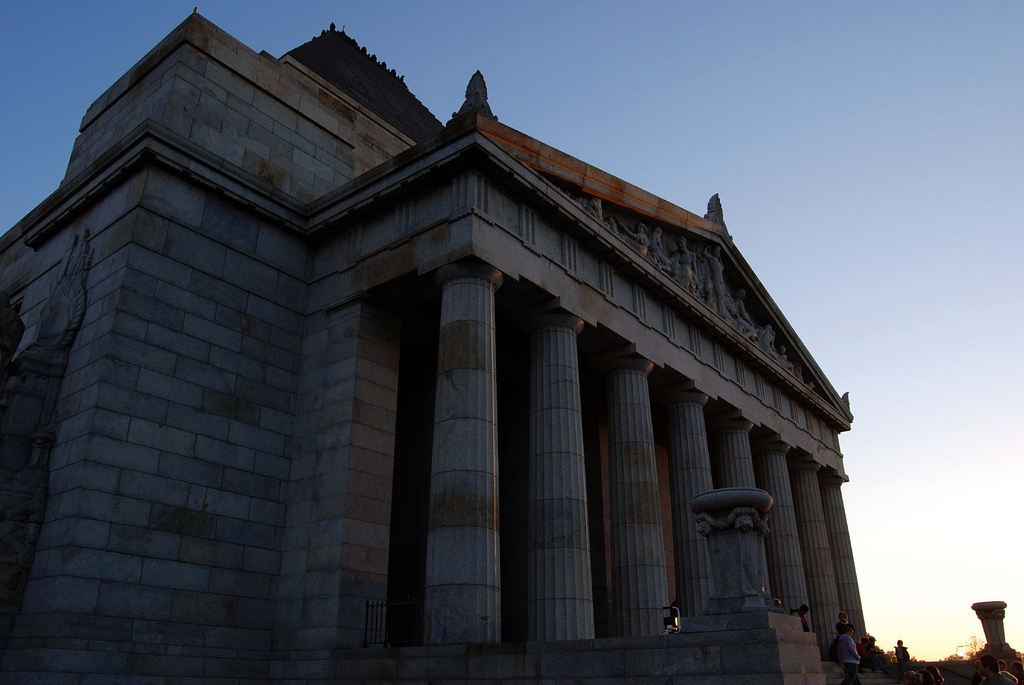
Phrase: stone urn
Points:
(734, 521)
(991, 615)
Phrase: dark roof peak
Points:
(339, 59)
(373, 58)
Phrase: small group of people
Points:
(930, 675)
(988, 669)
(856, 656)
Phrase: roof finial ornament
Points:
(476, 98)
(715, 210)
(332, 26)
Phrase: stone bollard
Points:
(734, 521)
(991, 615)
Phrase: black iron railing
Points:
(393, 623)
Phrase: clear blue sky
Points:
(869, 158)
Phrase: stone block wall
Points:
(169, 474)
(273, 121)
(336, 542)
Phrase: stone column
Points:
(810, 521)
(639, 586)
(782, 546)
(842, 549)
(732, 438)
(734, 521)
(462, 598)
(690, 469)
(991, 615)
(560, 593)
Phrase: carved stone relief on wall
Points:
(27, 416)
(697, 266)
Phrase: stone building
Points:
(292, 346)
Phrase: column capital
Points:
(732, 420)
(806, 464)
(555, 318)
(770, 443)
(830, 476)
(478, 270)
(681, 393)
(622, 358)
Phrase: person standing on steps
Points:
(847, 650)
(902, 658)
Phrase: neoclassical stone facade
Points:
(292, 347)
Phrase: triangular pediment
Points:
(708, 266)
(695, 252)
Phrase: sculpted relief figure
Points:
(682, 265)
(737, 311)
(766, 338)
(658, 253)
(640, 235)
(28, 423)
(714, 282)
(590, 204)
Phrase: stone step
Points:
(834, 675)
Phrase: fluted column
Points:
(810, 521)
(842, 549)
(559, 585)
(732, 438)
(785, 559)
(690, 470)
(462, 598)
(639, 586)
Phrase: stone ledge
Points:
(759, 648)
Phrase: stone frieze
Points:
(696, 266)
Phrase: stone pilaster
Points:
(810, 521)
(462, 599)
(690, 469)
(560, 592)
(842, 550)
(639, 586)
(785, 560)
(732, 438)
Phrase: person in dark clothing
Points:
(843, 623)
(801, 611)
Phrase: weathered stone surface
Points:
(269, 418)
(463, 600)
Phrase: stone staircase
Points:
(834, 674)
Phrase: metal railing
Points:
(393, 623)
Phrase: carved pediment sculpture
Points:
(715, 210)
(476, 98)
(27, 419)
(698, 267)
